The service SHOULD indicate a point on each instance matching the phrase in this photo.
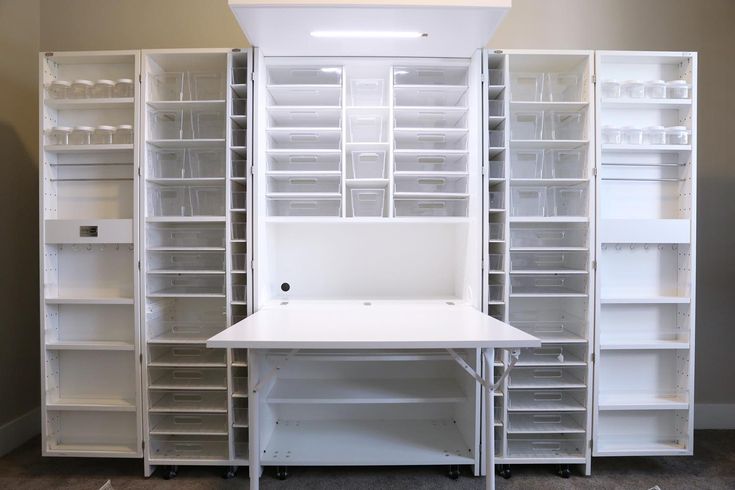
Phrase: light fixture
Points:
(369, 34)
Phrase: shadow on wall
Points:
(19, 279)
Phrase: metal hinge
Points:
(143, 445)
(594, 171)
(140, 358)
(590, 443)
(139, 265)
(594, 265)
(140, 78)
(252, 170)
(594, 79)
(139, 174)
(252, 265)
(593, 357)
(252, 76)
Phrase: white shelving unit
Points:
(196, 109)
(89, 280)
(646, 248)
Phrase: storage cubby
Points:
(86, 433)
(652, 432)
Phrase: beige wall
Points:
(707, 26)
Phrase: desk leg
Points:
(253, 422)
(487, 357)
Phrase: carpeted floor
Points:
(711, 467)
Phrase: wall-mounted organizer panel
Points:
(646, 248)
(196, 205)
(89, 251)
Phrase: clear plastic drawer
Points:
(431, 184)
(166, 86)
(166, 125)
(548, 236)
(188, 401)
(206, 86)
(205, 163)
(526, 164)
(169, 201)
(167, 164)
(181, 236)
(430, 162)
(568, 201)
(565, 164)
(554, 446)
(298, 161)
(186, 355)
(368, 164)
(186, 261)
(188, 424)
(190, 285)
(305, 75)
(208, 124)
(288, 184)
(430, 140)
(304, 207)
(367, 128)
(551, 285)
(189, 447)
(527, 125)
(304, 139)
(436, 208)
(540, 423)
(548, 261)
(367, 92)
(367, 202)
(528, 201)
(207, 201)
(564, 125)
(526, 87)
(430, 75)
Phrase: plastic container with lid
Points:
(655, 89)
(58, 89)
(80, 89)
(654, 135)
(123, 135)
(102, 89)
(611, 89)
(103, 135)
(123, 87)
(677, 135)
(611, 135)
(632, 136)
(677, 89)
(81, 135)
(634, 89)
(59, 135)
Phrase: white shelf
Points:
(645, 300)
(544, 106)
(645, 148)
(188, 143)
(643, 345)
(204, 181)
(627, 103)
(90, 345)
(88, 300)
(186, 219)
(186, 104)
(370, 391)
(548, 181)
(630, 446)
(643, 401)
(548, 144)
(524, 424)
(82, 450)
(54, 402)
(88, 104)
(89, 149)
(549, 219)
(367, 443)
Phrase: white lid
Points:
(60, 83)
(60, 129)
(676, 129)
(655, 128)
(125, 127)
(105, 129)
(80, 81)
(109, 83)
(656, 82)
(125, 81)
(84, 129)
(633, 82)
(681, 83)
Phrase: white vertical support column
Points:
(138, 247)
(254, 419)
(391, 164)
(229, 126)
(489, 395)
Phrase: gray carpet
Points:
(711, 467)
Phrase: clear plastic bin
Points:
(304, 207)
(366, 128)
(430, 75)
(238, 261)
(495, 293)
(495, 76)
(496, 200)
(239, 169)
(430, 140)
(548, 284)
(526, 87)
(239, 200)
(632, 136)
(527, 125)
(304, 75)
(239, 231)
(239, 293)
(206, 86)
(368, 164)
(123, 88)
(303, 161)
(677, 89)
(496, 107)
(634, 89)
(436, 208)
(58, 89)
(430, 162)
(208, 124)
(495, 262)
(526, 164)
(565, 164)
(103, 135)
(655, 89)
(611, 89)
(304, 184)
(654, 135)
(239, 136)
(304, 139)
(367, 92)
(496, 169)
(187, 423)
(81, 135)
(185, 235)
(549, 237)
(166, 125)
(59, 135)
(496, 231)
(367, 202)
(612, 135)
(169, 201)
(166, 86)
(564, 87)
(207, 201)
(528, 201)
(497, 138)
(102, 89)
(539, 423)
(80, 89)
(677, 135)
(123, 134)
(186, 261)
(195, 284)
(568, 201)
(548, 261)
(566, 125)
(205, 163)
(239, 106)
(167, 164)
(431, 184)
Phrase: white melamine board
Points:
(108, 231)
(645, 231)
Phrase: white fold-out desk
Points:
(322, 374)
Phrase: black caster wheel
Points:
(281, 472)
(230, 473)
(504, 470)
(564, 471)
(170, 473)
(453, 472)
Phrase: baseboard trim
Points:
(19, 430)
(714, 415)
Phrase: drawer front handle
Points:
(367, 196)
(302, 181)
(547, 397)
(431, 138)
(367, 84)
(431, 205)
(368, 157)
(547, 419)
(187, 398)
(188, 375)
(431, 160)
(302, 159)
(438, 181)
(302, 205)
(187, 420)
(547, 373)
(303, 137)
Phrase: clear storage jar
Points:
(206, 86)
(526, 87)
(634, 89)
(611, 135)
(166, 86)
(102, 89)
(58, 89)
(123, 88)
(611, 89)
(566, 125)
(59, 135)
(81, 135)
(527, 125)
(526, 164)
(677, 89)
(632, 136)
(655, 135)
(103, 135)
(677, 135)
(656, 89)
(123, 135)
(80, 89)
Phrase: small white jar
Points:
(634, 89)
(611, 135)
(59, 135)
(80, 89)
(123, 135)
(610, 89)
(58, 89)
(103, 135)
(632, 136)
(677, 135)
(654, 135)
(81, 135)
(677, 89)
(656, 89)
(123, 87)
(102, 89)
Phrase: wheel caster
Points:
(230, 473)
(564, 471)
(170, 473)
(504, 470)
(453, 472)
(281, 472)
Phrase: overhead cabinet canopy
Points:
(436, 28)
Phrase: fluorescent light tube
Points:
(369, 34)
